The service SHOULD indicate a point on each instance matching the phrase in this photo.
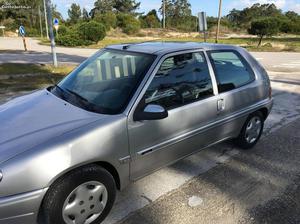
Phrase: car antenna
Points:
(125, 47)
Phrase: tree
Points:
(85, 15)
(182, 8)
(108, 19)
(264, 27)
(150, 20)
(74, 13)
(91, 31)
(128, 23)
(178, 14)
(243, 18)
(102, 6)
(235, 17)
(292, 16)
(126, 6)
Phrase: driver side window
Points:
(181, 79)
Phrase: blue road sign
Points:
(22, 31)
(56, 22)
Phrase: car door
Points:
(236, 87)
(182, 84)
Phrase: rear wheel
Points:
(84, 196)
(251, 131)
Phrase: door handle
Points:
(221, 105)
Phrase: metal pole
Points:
(41, 27)
(24, 43)
(164, 14)
(219, 21)
(46, 22)
(49, 17)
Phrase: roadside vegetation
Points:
(15, 69)
(94, 28)
(22, 78)
(283, 43)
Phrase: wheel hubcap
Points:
(253, 129)
(85, 204)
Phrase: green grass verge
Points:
(15, 69)
(269, 44)
(40, 76)
(28, 83)
(291, 44)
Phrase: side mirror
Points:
(151, 112)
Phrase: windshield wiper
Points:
(77, 95)
(58, 87)
(61, 90)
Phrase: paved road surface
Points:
(39, 54)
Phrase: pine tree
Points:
(85, 15)
(102, 6)
(74, 13)
(126, 6)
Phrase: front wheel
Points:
(251, 131)
(84, 196)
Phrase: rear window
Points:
(231, 69)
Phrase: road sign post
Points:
(202, 24)
(22, 33)
(49, 17)
(219, 22)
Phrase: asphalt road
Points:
(223, 184)
(13, 52)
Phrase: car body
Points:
(43, 136)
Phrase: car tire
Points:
(251, 131)
(79, 194)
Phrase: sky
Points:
(209, 6)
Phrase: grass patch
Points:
(40, 76)
(28, 83)
(15, 69)
(275, 44)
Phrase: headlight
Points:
(1, 175)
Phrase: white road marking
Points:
(150, 188)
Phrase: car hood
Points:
(30, 120)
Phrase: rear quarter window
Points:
(231, 69)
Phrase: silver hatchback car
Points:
(122, 114)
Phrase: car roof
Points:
(159, 48)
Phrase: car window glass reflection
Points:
(181, 79)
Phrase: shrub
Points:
(91, 31)
(63, 30)
(128, 23)
(32, 32)
(71, 39)
(264, 27)
(109, 20)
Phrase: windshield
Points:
(106, 82)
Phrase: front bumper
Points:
(22, 208)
